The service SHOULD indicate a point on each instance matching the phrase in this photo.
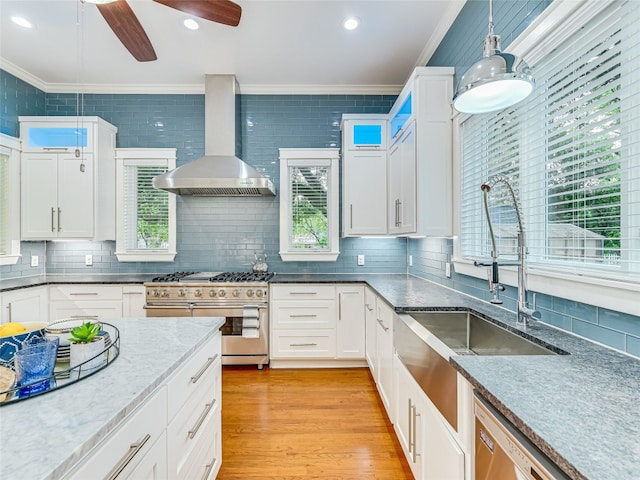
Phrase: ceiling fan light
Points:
(191, 24)
(100, 2)
(351, 23)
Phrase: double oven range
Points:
(240, 297)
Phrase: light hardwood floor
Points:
(291, 424)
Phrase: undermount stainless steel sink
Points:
(467, 334)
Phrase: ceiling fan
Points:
(124, 23)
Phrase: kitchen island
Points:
(44, 437)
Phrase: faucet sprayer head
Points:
(485, 187)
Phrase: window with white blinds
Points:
(9, 200)
(146, 228)
(309, 206)
(571, 151)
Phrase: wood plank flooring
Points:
(291, 424)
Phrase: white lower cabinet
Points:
(85, 300)
(431, 448)
(316, 322)
(174, 434)
(384, 353)
(133, 301)
(24, 305)
(371, 324)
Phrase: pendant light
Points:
(496, 81)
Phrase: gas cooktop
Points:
(214, 277)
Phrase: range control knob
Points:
(182, 292)
(222, 293)
(165, 293)
(236, 292)
(259, 293)
(156, 293)
(249, 293)
(212, 293)
(198, 292)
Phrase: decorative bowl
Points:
(10, 344)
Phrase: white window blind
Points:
(571, 151)
(309, 207)
(146, 210)
(5, 202)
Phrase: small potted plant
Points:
(86, 343)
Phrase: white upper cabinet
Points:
(364, 175)
(68, 178)
(424, 105)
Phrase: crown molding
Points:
(455, 6)
(167, 89)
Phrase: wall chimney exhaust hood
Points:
(220, 172)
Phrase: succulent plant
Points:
(84, 333)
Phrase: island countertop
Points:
(44, 436)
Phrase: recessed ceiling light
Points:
(351, 23)
(23, 22)
(191, 24)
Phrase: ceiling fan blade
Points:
(128, 29)
(219, 11)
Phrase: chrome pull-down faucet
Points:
(525, 314)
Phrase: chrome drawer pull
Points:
(303, 293)
(304, 315)
(203, 415)
(207, 468)
(197, 376)
(386, 329)
(133, 451)
(84, 316)
(83, 293)
(303, 344)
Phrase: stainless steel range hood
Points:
(220, 172)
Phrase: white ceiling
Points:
(288, 46)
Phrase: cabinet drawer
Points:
(85, 292)
(187, 431)
(304, 314)
(311, 344)
(205, 458)
(186, 382)
(303, 292)
(99, 310)
(133, 440)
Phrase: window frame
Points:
(143, 157)
(310, 157)
(612, 291)
(11, 146)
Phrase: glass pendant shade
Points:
(493, 83)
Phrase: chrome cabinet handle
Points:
(53, 212)
(84, 293)
(303, 344)
(132, 452)
(386, 329)
(207, 468)
(410, 423)
(304, 315)
(415, 421)
(351, 215)
(203, 415)
(84, 316)
(200, 372)
(303, 293)
(59, 212)
(56, 149)
(369, 307)
(339, 306)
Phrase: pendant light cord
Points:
(80, 95)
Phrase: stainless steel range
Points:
(240, 297)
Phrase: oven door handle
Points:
(172, 306)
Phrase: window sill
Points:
(614, 294)
(9, 259)
(309, 257)
(146, 256)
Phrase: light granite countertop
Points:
(44, 436)
(582, 409)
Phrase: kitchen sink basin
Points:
(467, 334)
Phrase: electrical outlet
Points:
(360, 260)
(88, 260)
(411, 260)
(34, 260)
(447, 269)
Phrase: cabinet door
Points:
(443, 457)
(364, 187)
(153, 466)
(403, 419)
(39, 197)
(371, 324)
(133, 301)
(350, 331)
(75, 196)
(402, 184)
(24, 305)
(395, 189)
(385, 355)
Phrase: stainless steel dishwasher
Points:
(503, 453)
